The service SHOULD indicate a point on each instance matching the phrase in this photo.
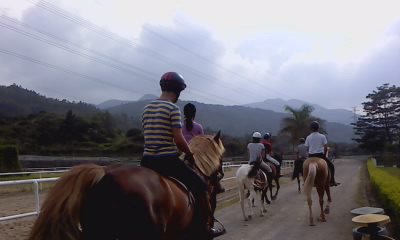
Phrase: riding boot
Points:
(332, 172)
(269, 179)
(205, 219)
(219, 188)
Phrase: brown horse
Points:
(316, 174)
(126, 202)
(275, 177)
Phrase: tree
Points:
(297, 125)
(380, 124)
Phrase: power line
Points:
(106, 63)
(89, 25)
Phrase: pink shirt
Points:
(197, 130)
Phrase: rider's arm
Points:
(262, 155)
(180, 140)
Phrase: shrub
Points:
(9, 159)
(388, 188)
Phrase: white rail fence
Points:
(286, 164)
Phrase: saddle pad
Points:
(260, 180)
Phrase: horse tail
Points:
(309, 183)
(59, 216)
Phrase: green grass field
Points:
(392, 171)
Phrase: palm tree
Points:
(297, 125)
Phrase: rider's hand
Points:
(189, 158)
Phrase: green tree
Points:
(379, 126)
(297, 124)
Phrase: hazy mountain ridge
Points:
(333, 115)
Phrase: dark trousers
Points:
(174, 167)
(330, 164)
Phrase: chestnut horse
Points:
(126, 202)
(315, 172)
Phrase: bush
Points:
(9, 161)
(388, 188)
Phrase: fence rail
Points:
(36, 183)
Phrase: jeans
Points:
(174, 167)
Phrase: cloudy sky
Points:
(232, 52)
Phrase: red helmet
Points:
(172, 82)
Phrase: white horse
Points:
(247, 183)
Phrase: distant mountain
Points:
(111, 103)
(115, 102)
(332, 115)
(236, 120)
(16, 101)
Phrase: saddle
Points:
(260, 181)
(184, 188)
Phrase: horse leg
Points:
(328, 193)
(253, 195)
(309, 201)
(262, 208)
(278, 186)
(264, 195)
(298, 183)
(242, 199)
(321, 191)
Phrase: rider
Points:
(317, 145)
(190, 127)
(257, 150)
(163, 134)
(268, 150)
(302, 153)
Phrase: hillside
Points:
(16, 101)
(237, 120)
(333, 115)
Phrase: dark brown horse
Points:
(275, 177)
(298, 171)
(316, 174)
(126, 202)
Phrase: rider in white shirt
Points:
(317, 145)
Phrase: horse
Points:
(275, 177)
(298, 170)
(251, 178)
(316, 174)
(127, 202)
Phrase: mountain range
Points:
(238, 121)
(333, 115)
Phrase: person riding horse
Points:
(268, 151)
(163, 134)
(317, 145)
(301, 156)
(257, 149)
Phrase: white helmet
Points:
(256, 135)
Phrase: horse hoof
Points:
(262, 215)
(250, 217)
(265, 211)
(321, 219)
(312, 225)
(327, 211)
(269, 202)
(246, 219)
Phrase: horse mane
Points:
(207, 153)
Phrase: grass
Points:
(395, 172)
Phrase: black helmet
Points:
(267, 136)
(302, 140)
(172, 82)
(314, 126)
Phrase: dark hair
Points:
(190, 113)
(302, 140)
(314, 126)
(256, 140)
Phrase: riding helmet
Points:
(267, 136)
(256, 135)
(172, 82)
(314, 126)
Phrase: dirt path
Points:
(287, 217)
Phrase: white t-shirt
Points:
(315, 143)
(255, 150)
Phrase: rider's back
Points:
(255, 150)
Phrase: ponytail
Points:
(190, 112)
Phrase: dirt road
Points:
(287, 217)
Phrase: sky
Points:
(331, 53)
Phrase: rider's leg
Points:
(268, 171)
(273, 160)
(332, 170)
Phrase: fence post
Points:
(37, 196)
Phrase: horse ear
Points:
(217, 137)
